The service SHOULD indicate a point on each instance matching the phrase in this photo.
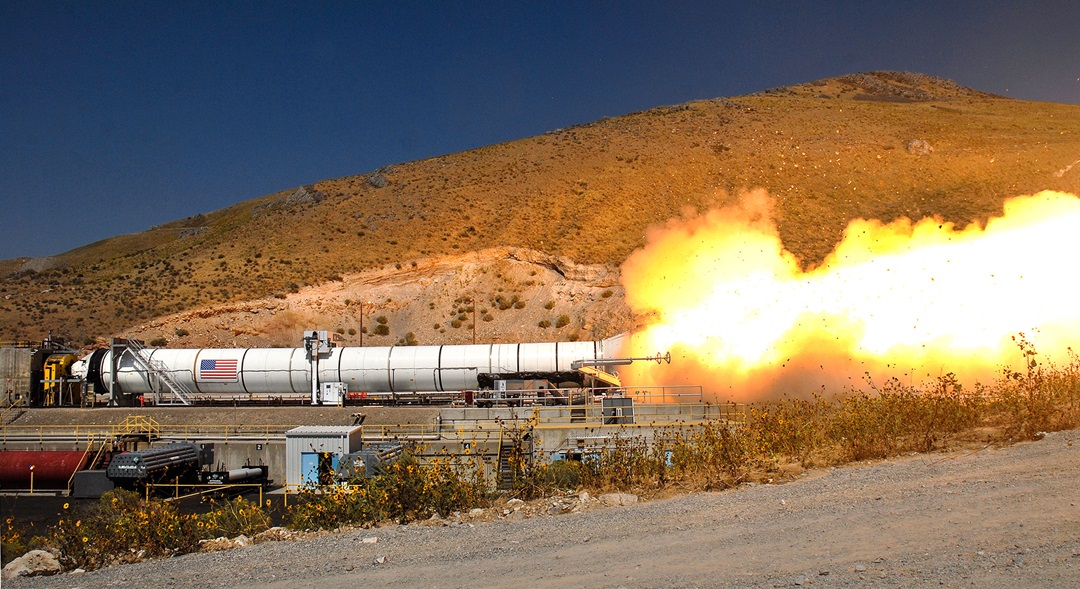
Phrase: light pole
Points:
(31, 478)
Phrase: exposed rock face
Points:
(304, 194)
(598, 274)
(618, 499)
(918, 147)
(33, 563)
(192, 231)
(556, 299)
(32, 265)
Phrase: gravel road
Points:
(992, 518)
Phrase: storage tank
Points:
(51, 469)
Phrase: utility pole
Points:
(363, 304)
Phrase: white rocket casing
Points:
(403, 369)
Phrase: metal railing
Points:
(644, 414)
(482, 427)
(11, 413)
(224, 433)
(176, 486)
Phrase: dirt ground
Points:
(993, 518)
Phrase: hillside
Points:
(878, 145)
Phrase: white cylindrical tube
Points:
(403, 369)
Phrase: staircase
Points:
(515, 452)
(158, 374)
(10, 414)
(138, 427)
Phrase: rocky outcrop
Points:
(31, 564)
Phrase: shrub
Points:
(404, 491)
(503, 302)
(544, 323)
(118, 527)
(562, 321)
(13, 541)
(232, 518)
(158, 342)
(381, 329)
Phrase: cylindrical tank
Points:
(398, 369)
(52, 470)
(242, 474)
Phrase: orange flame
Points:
(910, 300)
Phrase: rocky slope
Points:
(877, 145)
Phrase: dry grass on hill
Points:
(828, 151)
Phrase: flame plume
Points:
(914, 300)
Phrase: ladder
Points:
(515, 452)
(157, 374)
(505, 477)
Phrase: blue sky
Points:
(116, 116)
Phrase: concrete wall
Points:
(236, 454)
(14, 372)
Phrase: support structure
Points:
(317, 344)
(596, 369)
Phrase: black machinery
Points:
(178, 462)
(368, 462)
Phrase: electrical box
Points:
(618, 410)
(334, 393)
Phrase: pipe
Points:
(50, 470)
(240, 474)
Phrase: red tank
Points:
(52, 470)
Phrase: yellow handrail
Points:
(8, 410)
(71, 479)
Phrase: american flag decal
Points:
(221, 369)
